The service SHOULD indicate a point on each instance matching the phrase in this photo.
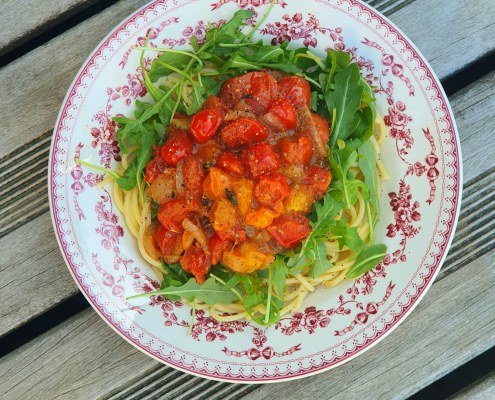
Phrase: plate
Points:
(420, 202)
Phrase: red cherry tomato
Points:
(297, 152)
(193, 176)
(260, 159)
(205, 124)
(229, 162)
(217, 247)
(271, 189)
(318, 180)
(236, 234)
(257, 88)
(285, 113)
(165, 240)
(177, 147)
(194, 262)
(154, 168)
(290, 230)
(244, 131)
(322, 127)
(210, 151)
(296, 89)
(212, 102)
(173, 212)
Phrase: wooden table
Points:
(55, 346)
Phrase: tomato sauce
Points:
(236, 186)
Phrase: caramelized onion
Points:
(200, 236)
(307, 124)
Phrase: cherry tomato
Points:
(194, 262)
(177, 147)
(229, 162)
(193, 176)
(217, 247)
(295, 152)
(154, 168)
(244, 131)
(210, 151)
(271, 189)
(166, 240)
(212, 102)
(173, 212)
(322, 127)
(260, 159)
(205, 124)
(285, 113)
(257, 88)
(318, 180)
(236, 234)
(290, 230)
(295, 89)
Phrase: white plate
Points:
(420, 203)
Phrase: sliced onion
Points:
(306, 123)
(200, 236)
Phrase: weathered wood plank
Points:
(483, 389)
(447, 50)
(23, 20)
(82, 358)
(475, 104)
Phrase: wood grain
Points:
(23, 20)
(483, 389)
(60, 59)
(83, 358)
(475, 230)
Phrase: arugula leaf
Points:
(346, 99)
(210, 292)
(367, 260)
(367, 165)
(346, 235)
(319, 261)
(159, 65)
(174, 276)
(279, 267)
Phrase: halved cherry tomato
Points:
(212, 102)
(223, 215)
(257, 88)
(217, 246)
(318, 180)
(193, 176)
(260, 159)
(194, 262)
(322, 127)
(173, 212)
(166, 240)
(154, 168)
(283, 111)
(244, 131)
(205, 124)
(290, 230)
(295, 152)
(271, 189)
(231, 163)
(296, 89)
(236, 234)
(177, 147)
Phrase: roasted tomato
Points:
(231, 163)
(236, 234)
(260, 159)
(322, 127)
(168, 242)
(271, 189)
(258, 89)
(295, 152)
(295, 89)
(259, 218)
(209, 152)
(194, 261)
(164, 188)
(318, 180)
(217, 247)
(223, 215)
(173, 212)
(300, 199)
(154, 168)
(290, 230)
(193, 176)
(281, 116)
(216, 183)
(246, 258)
(244, 131)
(177, 147)
(212, 102)
(205, 124)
